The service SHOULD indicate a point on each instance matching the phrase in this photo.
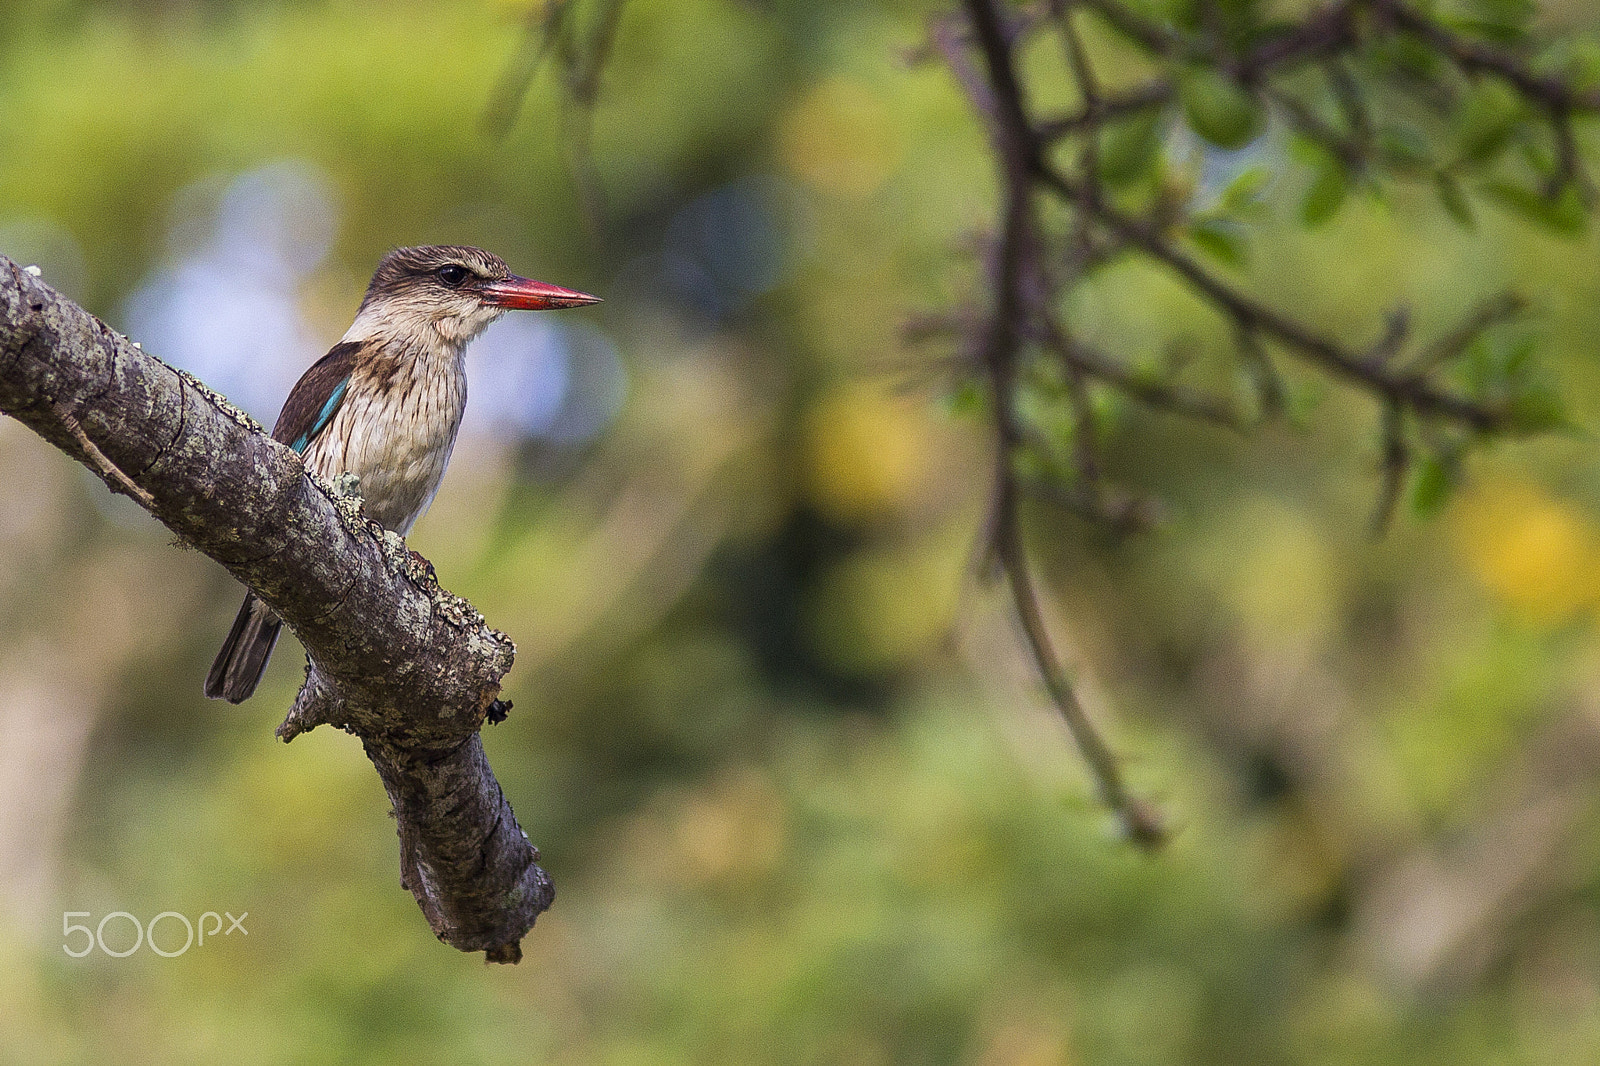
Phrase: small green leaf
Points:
(1273, 26)
(1308, 152)
(1487, 119)
(1435, 481)
(1566, 215)
(1182, 14)
(1583, 66)
(1408, 55)
(1573, 60)
(1243, 194)
(1506, 12)
(1326, 194)
(1221, 239)
(1499, 361)
(1219, 109)
(1516, 352)
(1304, 400)
(1109, 410)
(1129, 149)
(1454, 200)
(1241, 20)
(965, 400)
(1505, 21)
(1403, 146)
(1537, 409)
(1540, 159)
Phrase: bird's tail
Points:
(244, 654)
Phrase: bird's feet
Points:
(418, 560)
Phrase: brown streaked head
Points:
(452, 274)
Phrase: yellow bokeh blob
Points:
(839, 139)
(867, 453)
(1538, 554)
(732, 830)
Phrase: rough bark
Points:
(409, 668)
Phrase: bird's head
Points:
(451, 292)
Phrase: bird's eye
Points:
(452, 274)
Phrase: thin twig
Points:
(505, 101)
(1089, 89)
(1413, 390)
(1141, 823)
(1351, 103)
(1080, 358)
(554, 29)
(1569, 166)
(1482, 58)
(1351, 151)
(106, 466)
(1018, 150)
(1110, 508)
(1493, 311)
(1272, 396)
(1108, 109)
(1324, 33)
(1397, 328)
(1396, 465)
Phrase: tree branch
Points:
(1414, 390)
(1035, 258)
(393, 658)
(1012, 269)
(1482, 58)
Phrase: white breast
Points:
(396, 436)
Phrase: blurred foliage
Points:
(786, 760)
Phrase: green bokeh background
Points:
(797, 787)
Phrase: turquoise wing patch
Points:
(324, 416)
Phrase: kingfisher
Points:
(385, 403)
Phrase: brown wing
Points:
(315, 397)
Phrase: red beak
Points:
(525, 294)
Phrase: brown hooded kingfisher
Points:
(384, 404)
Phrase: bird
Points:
(385, 403)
